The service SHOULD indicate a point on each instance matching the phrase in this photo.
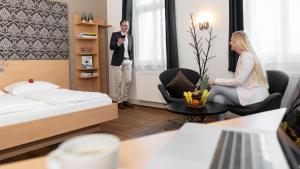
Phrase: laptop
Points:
(200, 146)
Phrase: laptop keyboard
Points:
(239, 150)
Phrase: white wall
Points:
(220, 9)
(114, 14)
(217, 66)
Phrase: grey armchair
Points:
(168, 75)
(278, 82)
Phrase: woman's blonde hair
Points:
(242, 41)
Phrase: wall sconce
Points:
(203, 25)
(205, 19)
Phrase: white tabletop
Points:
(135, 153)
(268, 120)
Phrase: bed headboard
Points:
(54, 71)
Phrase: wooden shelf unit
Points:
(87, 69)
(81, 38)
(96, 47)
(86, 23)
(82, 53)
(92, 77)
(103, 57)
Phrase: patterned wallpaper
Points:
(33, 30)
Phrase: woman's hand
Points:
(213, 82)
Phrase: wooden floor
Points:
(132, 122)
(139, 121)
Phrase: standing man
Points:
(122, 45)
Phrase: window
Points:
(149, 34)
(273, 28)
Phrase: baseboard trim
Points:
(148, 104)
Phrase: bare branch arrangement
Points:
(202, 55)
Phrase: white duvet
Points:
(62, 96)
(13, 104)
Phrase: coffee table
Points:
(198, 114)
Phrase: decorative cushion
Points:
(291, 120)
(178, 85)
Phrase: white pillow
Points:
(25, 87)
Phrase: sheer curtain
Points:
(273, 27)
(149, 34)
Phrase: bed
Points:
(50, 123)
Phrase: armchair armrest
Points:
(166, 95)
(273, 101)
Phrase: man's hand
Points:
(121, 41)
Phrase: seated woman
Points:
(249, 84)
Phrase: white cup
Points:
(94, 151)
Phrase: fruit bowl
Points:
(194, 107)
(196, 99)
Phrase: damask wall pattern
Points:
(33, 30)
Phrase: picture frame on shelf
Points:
(87, 62)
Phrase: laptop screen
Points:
(289, 132)
(291, 150)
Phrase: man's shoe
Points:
(121, 106)
(127, 104)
